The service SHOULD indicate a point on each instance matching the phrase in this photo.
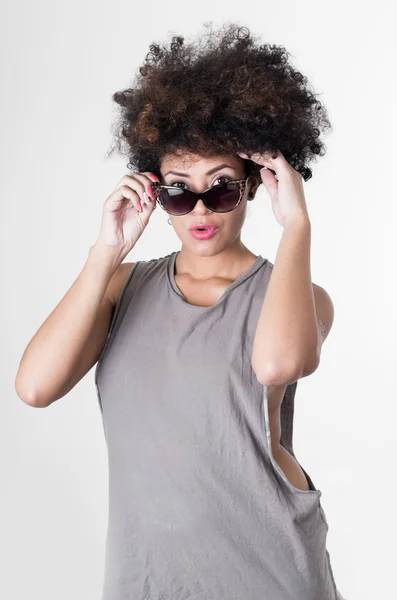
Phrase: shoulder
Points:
(324, 310)
(123, 272)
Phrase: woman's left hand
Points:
(286, 194)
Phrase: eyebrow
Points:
(210, 172)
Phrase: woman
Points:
(198, 352)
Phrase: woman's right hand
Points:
(122, 222)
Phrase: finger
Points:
(270, 182)
(271, 171)
(153, 176)
(124, 192)
(260, 160)
(274, 160)
(140, 184)
(147, 181)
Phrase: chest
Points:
(207, 294)
(202, 293)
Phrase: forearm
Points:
(286, 337)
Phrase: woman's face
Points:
(192, 171)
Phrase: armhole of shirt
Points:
(120, 303)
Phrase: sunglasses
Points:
(220, 198)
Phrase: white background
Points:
(60, 65)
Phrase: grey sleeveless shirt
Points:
(198, 507)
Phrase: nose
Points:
(200, 207)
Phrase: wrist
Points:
(299, 219)
(106, 256)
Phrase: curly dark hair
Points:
(221, 95)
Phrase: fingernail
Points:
(140, 206)
(150, 190)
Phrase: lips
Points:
(203, 226)
(204, 234)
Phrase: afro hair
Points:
(222, 94)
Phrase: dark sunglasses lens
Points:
(177, 201)
(220, 198)
(224, 197)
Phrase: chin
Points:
(206, 249)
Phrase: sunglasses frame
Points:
(157, 187)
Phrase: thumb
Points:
(269, 181)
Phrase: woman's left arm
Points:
(296, 315)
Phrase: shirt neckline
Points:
(260, 260)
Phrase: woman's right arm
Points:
(71, 339)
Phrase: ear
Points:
(253, 184)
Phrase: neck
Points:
(227, 264)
